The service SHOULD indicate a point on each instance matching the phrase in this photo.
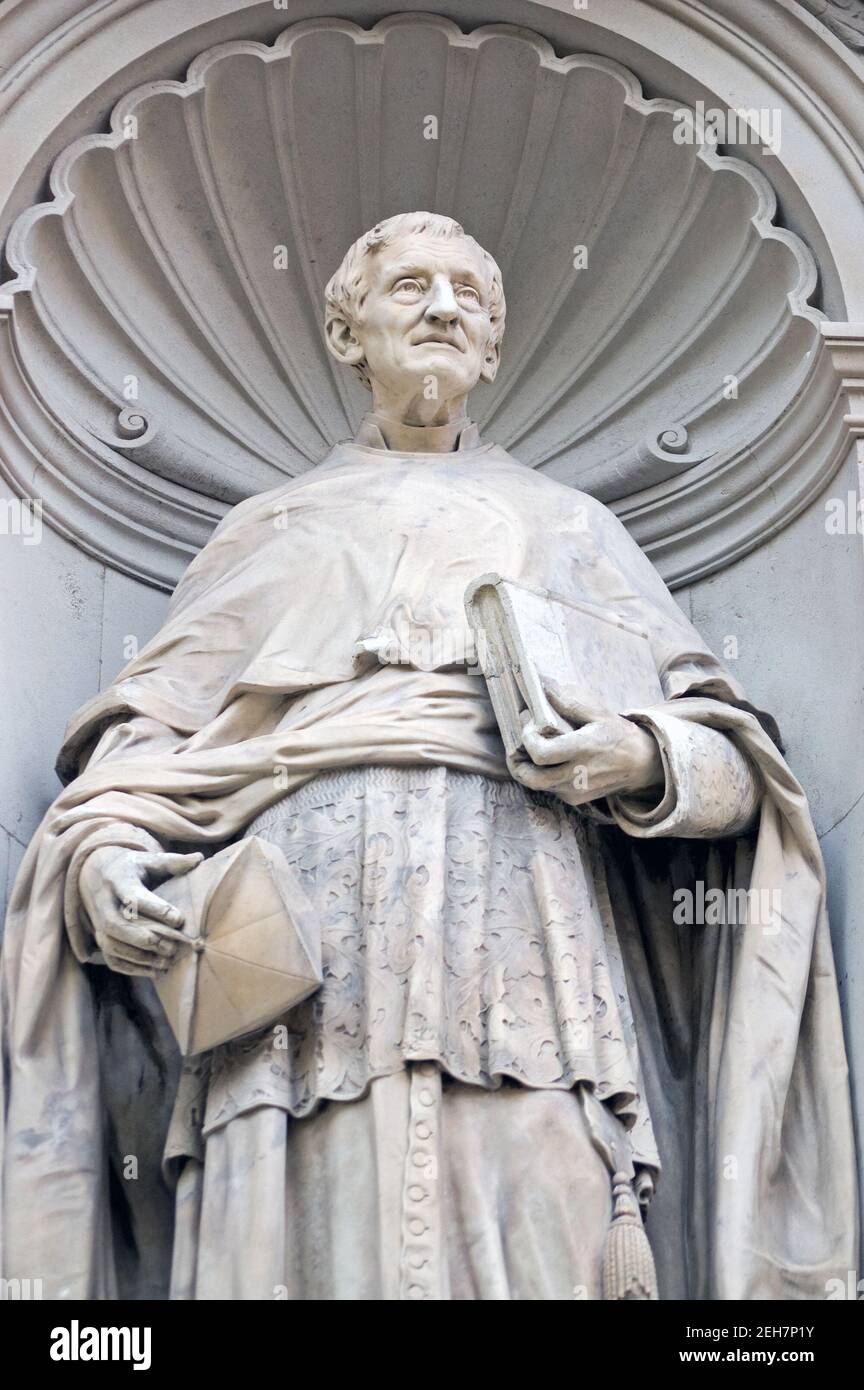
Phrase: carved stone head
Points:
(416, 300)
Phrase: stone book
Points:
(530, 641)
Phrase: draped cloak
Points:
(271, 659)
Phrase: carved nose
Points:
(442, 307)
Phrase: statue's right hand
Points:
(136, 930)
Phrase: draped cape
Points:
(268, 670)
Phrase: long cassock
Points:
(491, 956)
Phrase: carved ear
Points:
(491, 359)
(343, 342)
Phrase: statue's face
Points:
(426, 315)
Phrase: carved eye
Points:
(408, 288)
(467, 294)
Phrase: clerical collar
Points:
(377, 433)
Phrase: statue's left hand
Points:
(605, 757)
(136, 930)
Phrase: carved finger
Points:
(544, 752)
(538, 779)
(142, 934)
(121, 967)
(171, 865)
(146, 904)
(564, 702)
(133, 955)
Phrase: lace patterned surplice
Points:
(464, 920)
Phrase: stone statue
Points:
(541, 1017)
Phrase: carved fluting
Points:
(178, 269)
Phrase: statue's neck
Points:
(380, 432)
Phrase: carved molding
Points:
(109, 506)
(663, 370)
(845, 18)
(727, 507)
(845, 343)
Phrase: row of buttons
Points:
(421, 1235)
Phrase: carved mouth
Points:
(440, 340)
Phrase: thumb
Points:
(564, 700)
(172, 865)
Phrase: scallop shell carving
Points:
(168, 300)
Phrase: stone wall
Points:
(64, 620)
(795, 608)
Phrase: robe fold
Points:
(270, 669)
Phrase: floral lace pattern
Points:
(464, 921)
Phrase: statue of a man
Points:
(519, 1024)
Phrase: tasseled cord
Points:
(628, 1264)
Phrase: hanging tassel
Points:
(628, 1264)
